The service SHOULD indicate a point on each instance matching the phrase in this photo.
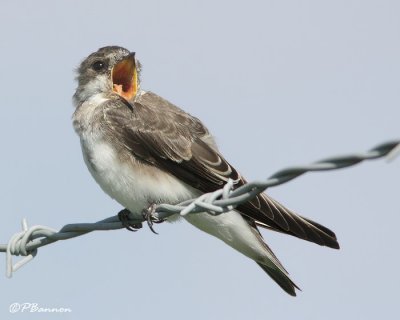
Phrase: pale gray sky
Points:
(302, 79)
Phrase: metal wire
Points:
(27, 241)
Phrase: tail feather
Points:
(272, 266)
(270, 214)
(281, 279)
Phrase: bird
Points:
(143, 150)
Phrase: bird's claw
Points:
(148, 215)
(123, 216)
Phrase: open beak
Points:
(125, 78)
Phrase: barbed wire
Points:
(27, 241)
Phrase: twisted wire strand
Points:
(27, 241)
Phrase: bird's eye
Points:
(98, 65)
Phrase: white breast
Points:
(133, 184)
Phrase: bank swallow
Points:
(143, 150)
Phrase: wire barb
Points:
(27, 241)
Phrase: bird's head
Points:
(106, 71)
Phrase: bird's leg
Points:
(148, 215)
(123, 216)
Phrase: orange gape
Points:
(124, 78)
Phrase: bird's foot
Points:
(123, 216)
(148, 215)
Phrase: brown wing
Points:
(159, 133)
